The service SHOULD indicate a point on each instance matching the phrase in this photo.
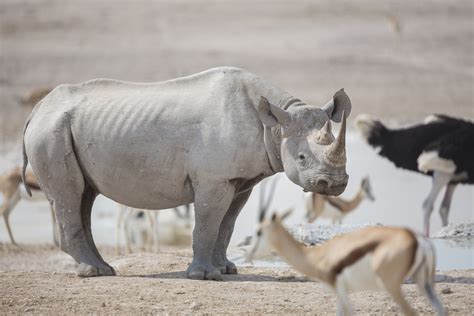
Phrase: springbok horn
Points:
(337, 151)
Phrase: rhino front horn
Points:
(337, 150)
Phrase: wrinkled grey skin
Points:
(206, 138)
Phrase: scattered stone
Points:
(393, 308)
(180, 292)
(446, 290)
(195, 306)
(103, 304)
(29, 309)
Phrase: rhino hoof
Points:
(87, 271)
(201, 273)
(231, 269)
(215, 275)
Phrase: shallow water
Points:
(399, 195)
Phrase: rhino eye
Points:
(301, 156)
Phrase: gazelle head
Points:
(366, 188)
(268, 229)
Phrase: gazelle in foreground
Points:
(374, 258)
(336, 208)
(12, 192)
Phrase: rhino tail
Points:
(25, 156)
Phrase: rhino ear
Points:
(340, 103)
(271, 115)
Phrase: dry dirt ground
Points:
(39, 279)
(396, 59)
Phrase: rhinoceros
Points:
(208, 138)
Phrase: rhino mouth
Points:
(326, 186)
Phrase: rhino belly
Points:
(147, 177)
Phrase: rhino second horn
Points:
(324, 136)
(337, 150)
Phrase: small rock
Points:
(141, 298)
(29, 309)
(180, 292)
(103, 304)
(194, 306)
(446, 290)
(393, 308)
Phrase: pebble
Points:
(103, 304)
(29, 309)
(194, 306)
(446, 290)
(393, 308)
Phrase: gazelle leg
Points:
(445, 205)
(8, 204)
(430, 293)
(156, 236)
(440, 179)
(126, 232)
(118, 229)
(149, 234)
(343, 302)
(397, 295)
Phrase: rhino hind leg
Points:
(88, 198)
(211, 204)
(57, 170)
(226, 229)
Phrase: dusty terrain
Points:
(40, 279)
(400, 60)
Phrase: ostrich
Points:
(442, 147)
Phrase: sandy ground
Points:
(40, 279)
(399, 60)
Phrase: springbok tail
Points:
(371, 129)
(425, 273)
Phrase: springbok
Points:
(140, 226)
(13, 192)
(336, 208)
(374, 258)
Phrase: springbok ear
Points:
(340, 103)
(271, 115)
(286, 214)
(274, 217)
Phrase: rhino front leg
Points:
(211, 204)
(225, 233)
